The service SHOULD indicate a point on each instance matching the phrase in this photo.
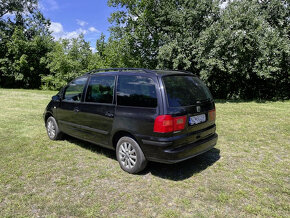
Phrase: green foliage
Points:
(241, 51)
(23, 59)
(25, 39)
(113, 53)
(163, 33)
(11, 6)
(72, 58)
(243, 55)
(68, 59)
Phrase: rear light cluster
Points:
(167, 123)
(211, 115)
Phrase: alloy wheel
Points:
(128, 155)
(51, 129)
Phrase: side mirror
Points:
(56, 98)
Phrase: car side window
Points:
(101, 89)
(74, 90)
(138, 91)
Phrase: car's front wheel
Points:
(130, 155)
(52, 129)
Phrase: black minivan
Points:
(145, 115)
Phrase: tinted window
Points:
(136, 91)
(74, 90)
(185, 90)
(100, 89)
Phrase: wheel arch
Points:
(47, 115)
(119, 134)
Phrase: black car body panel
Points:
(104, 123)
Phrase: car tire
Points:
(130, 156)
(52, 129)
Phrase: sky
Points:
(69, 18)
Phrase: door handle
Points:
(109, 114)
(76, 109)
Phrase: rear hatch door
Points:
(187, 95)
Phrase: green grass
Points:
(247, 174)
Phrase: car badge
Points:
(197, 108)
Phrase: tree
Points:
(163, 33)
(112, 53)
(241, 51)
(68, 59)
(245, 54)
(17, 6)
(24, 40)
(22, 61)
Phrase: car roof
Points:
(118, 71)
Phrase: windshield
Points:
(185, 90)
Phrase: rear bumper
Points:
(164, 154)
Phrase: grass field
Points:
(247, 174)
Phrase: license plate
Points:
(197, 119)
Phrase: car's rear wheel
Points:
(130, 155)
(52, 129)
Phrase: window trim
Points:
(98, 103)
(156, 90)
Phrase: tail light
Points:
(212, 115)
(167, 123)
(179, 123)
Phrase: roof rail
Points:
(121, 69)
(185, 71)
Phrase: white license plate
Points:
(197, 119)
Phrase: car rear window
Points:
(185, 90)
(137, 91)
